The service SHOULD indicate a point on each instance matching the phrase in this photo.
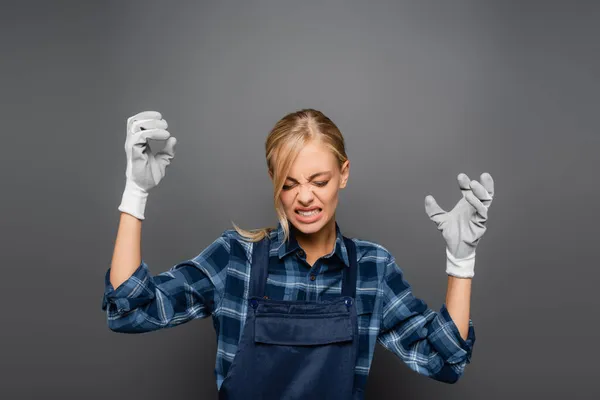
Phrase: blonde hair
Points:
(283, 144)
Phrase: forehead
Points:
(314, 157)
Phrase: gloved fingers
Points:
(146, 124)
(464, 183)
(481, 192)
(434, 211)
(141, 140)
(488, 183)
(143, 115)
(168, 152)
(481, 210)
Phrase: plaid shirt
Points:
(216, 282)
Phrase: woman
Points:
(297, 309)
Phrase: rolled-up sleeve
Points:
(189, 290)
(428, 342)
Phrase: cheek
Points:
(328, 199)
(330, 196)
(286, 199)
(332, 201)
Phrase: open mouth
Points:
(309, 213)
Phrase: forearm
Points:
(127, 255)
(458, 302)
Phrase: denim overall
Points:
(295, 349)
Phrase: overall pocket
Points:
(302, 330)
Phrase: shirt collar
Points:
(285, 248)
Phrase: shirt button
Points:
(301, 253)
(312, 277)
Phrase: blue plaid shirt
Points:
(216, 282)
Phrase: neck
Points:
(318, 243)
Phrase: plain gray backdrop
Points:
(421, 90)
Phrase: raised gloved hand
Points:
(464, 226)
(144, 168)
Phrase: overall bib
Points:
(295, 349)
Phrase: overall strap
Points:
(349, 282)
(260, 267)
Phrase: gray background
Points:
(421, 90)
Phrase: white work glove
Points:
(144, 169)
(464, 226)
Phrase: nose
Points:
(305, 194)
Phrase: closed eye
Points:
(319, 184)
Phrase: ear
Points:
(345, 171)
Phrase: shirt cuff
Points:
(446, 338)
(137, 290)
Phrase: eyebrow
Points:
(312, 176)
